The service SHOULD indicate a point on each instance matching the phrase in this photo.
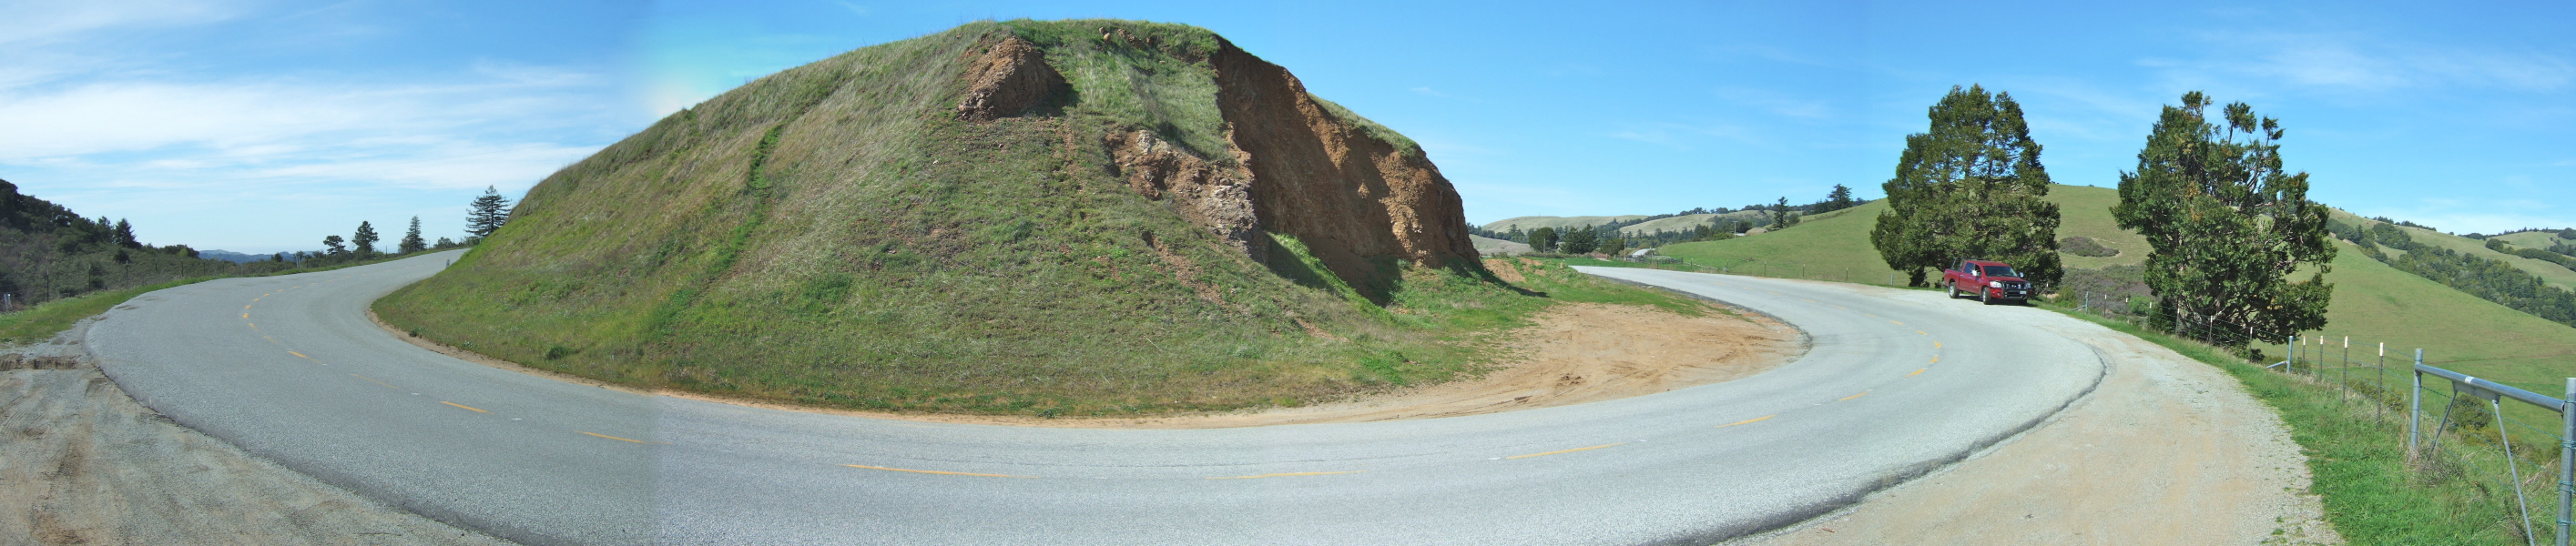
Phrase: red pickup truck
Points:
(1990, 281)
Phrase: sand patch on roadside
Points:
(1571, 354)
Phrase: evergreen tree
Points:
(1780, 214)
(338, 246)
(1581, 240)
(2228, 225)
(1543, 239)
(487, 214)
(411, 241)
(1839, 199)
(365, 240)
(1970, 187)
(125, 235)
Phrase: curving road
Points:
(1897, 383)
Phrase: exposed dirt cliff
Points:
(1303, 169)
(1009, 79)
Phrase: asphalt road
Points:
(1897, 383)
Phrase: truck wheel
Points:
(1984, 297)
(1954, 290)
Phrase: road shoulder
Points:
(84, 463)
(2166, 451)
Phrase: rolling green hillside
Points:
(2532, 239)
(2372, 301)
(2554, 274)
(1527, 223)
(867, 231)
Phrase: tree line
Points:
(48, 252)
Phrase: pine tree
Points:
(338, 246)
(487, 214)
(2228, 225)
(1970, 187)
(411, 241)
(1839, 199)
(125, 235)
(365, 240)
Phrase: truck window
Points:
(2001, 271)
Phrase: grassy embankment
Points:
(2373, 303)
(831, 235)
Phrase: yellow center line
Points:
(1564, 451)
(1922, 332)
(1898, 323)
(1807, 300)
(245, 307)
(1936, 359)
(1936, 345)
(245, 315)
(373, 380)
(1862, 393)
(934, 471)
(462, 406)
(1840, 307)
(1749, 421)
(620, 439)
(297, 354)
(1870, 315)
(1283, 474)
(1916, 373)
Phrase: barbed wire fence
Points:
(2474, 436)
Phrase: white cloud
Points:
(40, 21)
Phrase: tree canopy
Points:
(2228, 225)
(1970, 187)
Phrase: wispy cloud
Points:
(2353, 63)
(40, 22)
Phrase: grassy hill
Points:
(865, 232)
(2532, 239)
(2372, 302)
(2551, 273)
(1527, 223)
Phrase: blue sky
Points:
(263, 126)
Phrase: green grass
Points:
(2356, 457)
(39, 323)
(1835, 246)
(831, 236)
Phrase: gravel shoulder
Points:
(2166, 451)
(82, 463)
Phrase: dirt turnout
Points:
(82, 463)
(1582, 352)
(1575, 353)
(2167, 451)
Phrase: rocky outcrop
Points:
(1348, 195)
(1215, 197)
(1009, 79)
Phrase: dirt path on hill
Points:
(82, 463)
(2167, 451)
